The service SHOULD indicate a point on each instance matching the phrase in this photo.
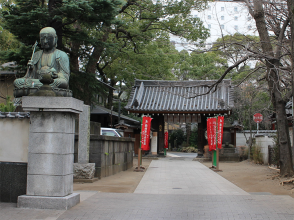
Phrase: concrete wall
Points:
(110, 154)
(263, 141)
(14, 136)
(241, 140)
(14, 140)
(115, 154)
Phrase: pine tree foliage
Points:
(99, 35)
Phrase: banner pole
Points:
(138, 169)
(215, 151)
(217, 159)
(141, 157)
(219, 132)
(141, 141)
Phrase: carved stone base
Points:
(84, 171)
(28, 91)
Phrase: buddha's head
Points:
(48, 38)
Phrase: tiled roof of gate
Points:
(158, 96)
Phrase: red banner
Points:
(208, 132)
(220, 128)
(148, 133)
(145, 133)
(166, 139)
(211, 133)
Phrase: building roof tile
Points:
(158, 96)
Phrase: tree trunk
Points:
(92, 67)
(250, 137)
(291, 15)
(74, 57)
(56, 24)
(286, 166)
(109, 98)
(110, 93)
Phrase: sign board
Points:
(257, 117)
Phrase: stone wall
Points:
(111, 155)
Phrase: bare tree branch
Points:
(249, 74)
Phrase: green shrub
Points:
(194, 137)
(177, 137)
(8, 107)
(243, 152)
(189, 149)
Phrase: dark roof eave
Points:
(179, 112)
(127, 125)
(115, 115)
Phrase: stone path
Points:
(172, 188)
(174, 176)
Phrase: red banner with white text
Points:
(145, 133)
(208, 132)
(166, 139)
(220, 129)
(211, 133)
(148, 133)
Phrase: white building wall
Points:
(227, 18)
(263, 142)
(222, 18)
(241, 140)
(14, 136)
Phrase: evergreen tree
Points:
(95, 33)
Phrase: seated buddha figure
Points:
(49, 60)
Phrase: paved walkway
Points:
(175, 175)
(172, 188)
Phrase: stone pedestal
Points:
(84, 135)
(83, 170)
(154, 143)
(50, 152)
